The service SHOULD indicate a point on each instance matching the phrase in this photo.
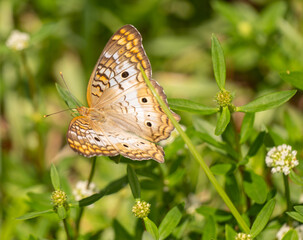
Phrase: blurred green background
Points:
(260, 38)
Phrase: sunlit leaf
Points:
(222, 121)
(268, 101)
(262, 218)
(35, 214)
(189, 106)
(218, 62)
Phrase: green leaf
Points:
(34, 214)
(218, 62)
(111, 188)
(291, 235)
(299, 209)
(255, 187)
(222, 168)
(222, 121)
(293, 78)
(170, 221)
(270, 16)
(230, 233)
(295, 215)
(219, 215)
(262, 218)
(255, 146)
(217, 143)
(68, 98)
(120, 232)
(151, 228)
(232, 189)
(292, 124)
(210, 229)
(190, 106)
(274, 138)
(268, 101)
(228, 11)
(182, 229)
(61, 212)
(55, 177)
(176, 177)
(296, 178)
(133, 182)
(247, 126)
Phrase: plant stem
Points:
(287, 194)
(31, 80)
(81, 211)
(198, 157)
(66, 229)
(33, 95)
(92, 172)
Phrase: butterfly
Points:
(123, 116)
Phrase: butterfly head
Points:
(92, 113)
(84, 111)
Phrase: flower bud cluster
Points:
(141, 209)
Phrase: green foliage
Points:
(255, 187)
(231, 69)
(222, 121)
(298, 214)
(218, 62)
(34, 214)
(294, 78)
(133, 182)
(55, 177)
(170, 221)
(263, 218)
(291, 235)
(268, 101)
(190, 106)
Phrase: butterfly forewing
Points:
(120, 59)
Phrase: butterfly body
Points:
(123, 117)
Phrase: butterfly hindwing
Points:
(83, 139)
(89, 139)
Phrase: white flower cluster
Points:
(281, 159)
(81, 191)
(243, 236)
(17, 40)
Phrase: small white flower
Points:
(281, 159)
(243, 236)
(81, 191)
(17, 40)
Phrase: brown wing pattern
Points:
(87, 138)
(123, 51)
(138, 111)
(83, 139)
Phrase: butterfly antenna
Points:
(47, 115)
